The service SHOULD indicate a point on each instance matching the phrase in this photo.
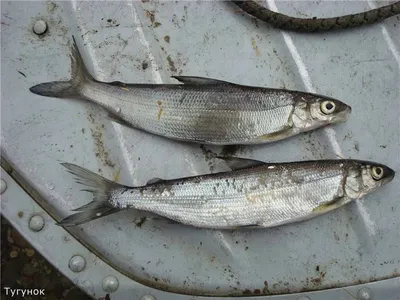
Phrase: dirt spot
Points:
(167, 38)
(151, 16)
(316, 281)
(145, 65)
(209, 157)
(20, 214)
(171, 64)
(356, 147)
(265, 289)
(230, 150)
(51, 7)
(112, 23)
(141, 222)
(100, 151)
(336, 236)
(97, 135)
(247, 292)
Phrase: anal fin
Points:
(236, 163)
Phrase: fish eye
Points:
(328, 107)
(377, 173)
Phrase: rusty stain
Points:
(116, 175)
(150, 15)
(97, 135)
(253, 42)
(99, 148)
(316, 280)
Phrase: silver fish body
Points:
(265, 195)
(202, 110)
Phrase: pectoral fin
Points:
(198, 80)
(279, 135)
(326, 207)
(236, 163)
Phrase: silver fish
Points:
(202, 110)
(254, 194)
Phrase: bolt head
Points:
(364, 294)
(36, 223)
(77, 263)
(40, 27)
(110, 284)
(3, 186)
(148, 297)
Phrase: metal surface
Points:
(148, 42)
(17, 206)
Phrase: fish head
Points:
(319, 112)
(364, 177)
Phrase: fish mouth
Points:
(390, 173)
(343, 115)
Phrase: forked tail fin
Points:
(66, 89)
(100, 187)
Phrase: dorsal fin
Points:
(199, 80)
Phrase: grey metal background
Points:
(358, 243)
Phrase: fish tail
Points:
(66, 89)
(100, 187)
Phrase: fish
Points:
(285, 22)
(252, 194)
(201, 110)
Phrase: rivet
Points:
(148, 297)
(303, 298)
(3, 186)
(110, 284)
(36, 223)
(40, 27)
(364, 294)
(87, 285)
(77, 263)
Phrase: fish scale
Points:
(201, 110)
(254, 194)
(277, 201)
